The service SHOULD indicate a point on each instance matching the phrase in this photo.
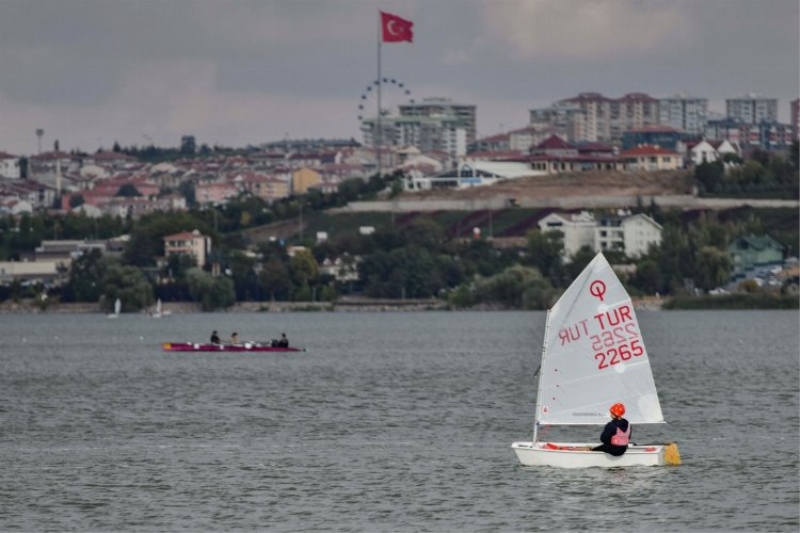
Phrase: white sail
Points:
(117, 306)
(594, 355)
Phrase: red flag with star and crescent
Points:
(396, 29)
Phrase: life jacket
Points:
(621, 437)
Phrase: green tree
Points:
(582, 257)
(303, 268)
(129, 284)
(545, 252)
(274, 277)
(211, 292)
(85, 278)
(648, 277)
(712, 268)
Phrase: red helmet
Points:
(617, 410)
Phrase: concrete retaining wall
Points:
(569, 202)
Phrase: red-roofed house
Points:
(648, 157)
(189, 243)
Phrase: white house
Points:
(9, 166)
(632, 235)
(710, 151)
(578, 230)
(703, 152)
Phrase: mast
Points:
(378, 134)
(539, 387)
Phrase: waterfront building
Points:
(795, 106)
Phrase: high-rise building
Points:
(684, 113)
(606, 119)
(445, 133)
(752, 109)
(446, 109)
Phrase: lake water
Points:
(390, 422)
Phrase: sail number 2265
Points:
(616, 345)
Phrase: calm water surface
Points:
(390, 422)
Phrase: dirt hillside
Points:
(594, 183)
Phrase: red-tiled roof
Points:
(554, 142)
(647, 149)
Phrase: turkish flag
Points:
(396, 29)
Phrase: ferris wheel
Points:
(394, 93)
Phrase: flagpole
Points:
(377, 137)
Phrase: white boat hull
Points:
(574, 455)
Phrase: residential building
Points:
(605, 119)
(303, 179)
(640, 232)
(10, 166)
(447, 133)
(554, 155)
(647, 157)
(752, 109)
(214, 193)
(465, 114)
(753, 251)
(633, 110)
(191, 243)
(42, 271)
(655, 135)
(578, 230)
(684, 113)
(766, 134)
(565, 119)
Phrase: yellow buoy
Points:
(671, 454)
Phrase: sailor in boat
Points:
(234, 338)
(215, 338)
(283, 342)
(617, 433)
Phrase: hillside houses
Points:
(630, 234)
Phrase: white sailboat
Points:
(117, 309)
(159, 312)
(594, 356)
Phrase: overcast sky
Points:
(236, 72)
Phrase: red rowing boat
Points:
(243, 347)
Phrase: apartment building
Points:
(191, 243)
(606, 119)
(684, 113)
(752, 109)
(438, 107)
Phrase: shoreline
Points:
(356, 304)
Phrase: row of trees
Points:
(764, 174)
